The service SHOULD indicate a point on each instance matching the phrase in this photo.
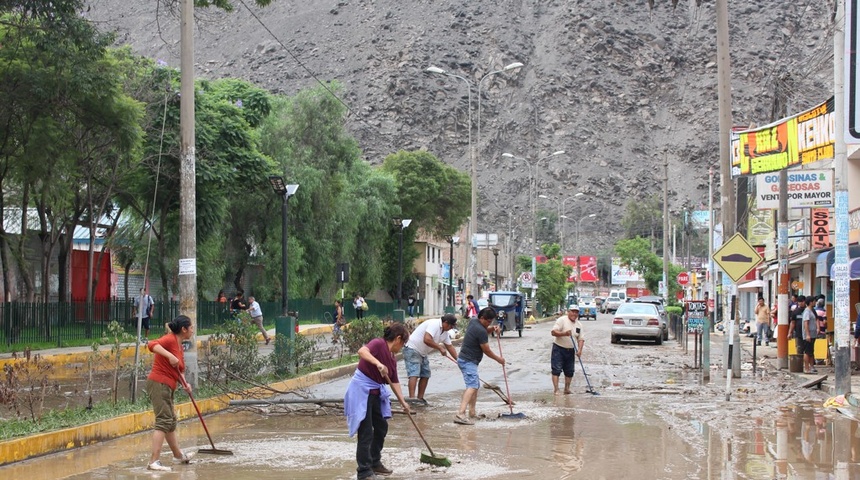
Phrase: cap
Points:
(573, 307)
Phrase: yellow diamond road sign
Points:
(737, 257)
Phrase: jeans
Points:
(762, 333)
(371, 437)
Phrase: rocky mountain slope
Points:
(617, 86)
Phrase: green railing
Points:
(61, 323)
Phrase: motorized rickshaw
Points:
(510, 310)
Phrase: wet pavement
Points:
(654, 418)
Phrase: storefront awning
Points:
(853, 252)
(751, 286)
(853, 269)
(821, 265)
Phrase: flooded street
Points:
(653, 419)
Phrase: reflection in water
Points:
(566, 446)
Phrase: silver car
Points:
(611, 304)
(639, 321)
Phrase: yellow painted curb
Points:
(18, 449)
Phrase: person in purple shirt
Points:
(367, 403)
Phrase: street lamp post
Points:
(533, 187)
(451, 241)
(579, 227)
(563, 216)
(496, 276)
(400, 224)
(285, 191)
(473, 223)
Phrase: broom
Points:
(431, 459)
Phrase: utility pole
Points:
(841, 289)
(780, 110)
(727, 193)
(187, 193)
(666, 226)
(709, 296)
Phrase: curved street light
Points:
(473, 223)
(533, 185)
(579, 227)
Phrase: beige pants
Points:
(258, 321)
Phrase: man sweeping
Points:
(475, 346)
(431, 336)
(563, 357)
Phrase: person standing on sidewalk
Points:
(168, 365)
(147, 309)
(475, 346)
(257, 316)
(810, 333)
(358, 304)
(367, 403)
(762, 320)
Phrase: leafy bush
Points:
(232, 353)
(26, 384)
(292, 353)
(671, 310)
(362, 331)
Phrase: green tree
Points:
(434, 195)
(643, 217)
(637, 254)
(552, 278)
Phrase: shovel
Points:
(576, 352)
(213, 450)
(490, 386)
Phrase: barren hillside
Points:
(613, 84)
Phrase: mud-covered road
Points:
(653, 419)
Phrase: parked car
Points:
(611, 304)
(639, 321)
(661, 309)
(587, 307)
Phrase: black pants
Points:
(371, 438)
(359, 313)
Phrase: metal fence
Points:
(61, 322)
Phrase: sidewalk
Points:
(71, 359)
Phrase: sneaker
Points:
(158, 467)
(462, 420)
(381, 470)
(185, 458)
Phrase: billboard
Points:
(574, 273)
(806, 189)
(804, 138)
(588, 268)
(621, 274)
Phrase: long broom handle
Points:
(199, 415)
(505, 373)
(400, 399)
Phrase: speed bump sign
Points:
(737, 257)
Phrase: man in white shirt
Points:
(567, 329)
(430, 335)
(257, 316)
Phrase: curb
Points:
(16, 450)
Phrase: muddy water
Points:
(654, 418)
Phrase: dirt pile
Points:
(618, 87)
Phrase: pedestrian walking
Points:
(168, 365)
(471, 308)
(430, 336)
(475, 346)
(257, 317)
(367, 403)
(810, 332)
(238, 304)
(567, 328)
(338, 321)
(762, 320)
(147, 309)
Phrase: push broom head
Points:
(439, 461)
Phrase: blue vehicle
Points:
(509, 308)
(587, 307)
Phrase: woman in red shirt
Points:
(168, 365)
